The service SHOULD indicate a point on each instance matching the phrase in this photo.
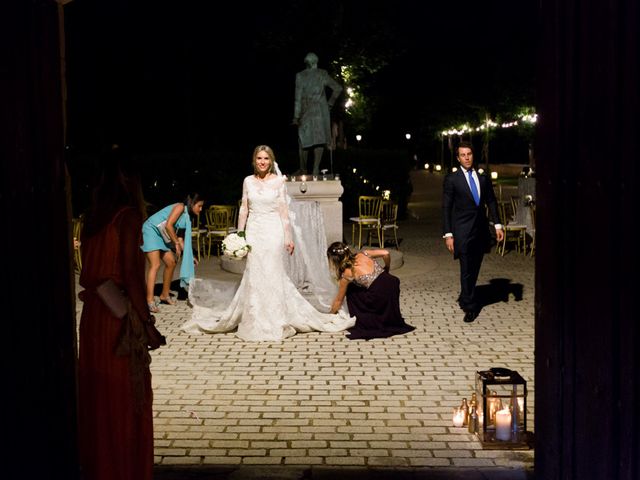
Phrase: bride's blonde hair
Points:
(272, 157)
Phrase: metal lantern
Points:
(502, 409)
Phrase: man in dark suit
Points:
(465, 224)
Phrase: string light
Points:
(525, 118)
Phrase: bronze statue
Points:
(311, 111)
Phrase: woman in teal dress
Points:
(160, 239)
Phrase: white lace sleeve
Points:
(244, 207)
(283, 208)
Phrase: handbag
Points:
(162, 228)
(132, 338)
(119, 305)
(113, 298)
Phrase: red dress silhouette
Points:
(115, 398)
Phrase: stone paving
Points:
(321, 403)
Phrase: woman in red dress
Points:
(115, 398)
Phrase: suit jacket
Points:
(468, 222)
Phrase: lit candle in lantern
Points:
(503, 424)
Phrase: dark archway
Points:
(586, 333)
(39, 347)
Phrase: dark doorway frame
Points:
(587, 388)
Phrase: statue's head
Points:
(311, 59)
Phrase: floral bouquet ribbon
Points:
(235, 245)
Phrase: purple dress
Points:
(374, 299)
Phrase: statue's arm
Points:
(297, 105)
(336, 89)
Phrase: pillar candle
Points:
(503, 425)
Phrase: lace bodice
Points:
(264, 197)
(266, 306)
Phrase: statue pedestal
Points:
(327, 193)
(318, 205)
(233, 265)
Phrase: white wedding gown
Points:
(266, 306)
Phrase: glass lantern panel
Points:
(503, 398)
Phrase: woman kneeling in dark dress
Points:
(373, 294)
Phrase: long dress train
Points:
(266, 306)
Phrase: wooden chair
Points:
(77, 224)
(368, 218)
(232, 216)
(513, 232)
(388, 221)
(514, 200)
(198, 235)
(532, 231)
(217, 228)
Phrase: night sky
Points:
(206, 76)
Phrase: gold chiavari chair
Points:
(368, 218)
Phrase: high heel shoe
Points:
(153, 308)
(167, 301)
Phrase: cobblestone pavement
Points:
(319, 405)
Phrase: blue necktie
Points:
(474, 189)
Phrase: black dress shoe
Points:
(470, 316)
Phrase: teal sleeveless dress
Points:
(152, 240)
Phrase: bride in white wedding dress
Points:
(266, 306)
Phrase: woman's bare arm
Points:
(342, 292)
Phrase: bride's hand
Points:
(290, 248)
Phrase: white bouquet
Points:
(234, 245)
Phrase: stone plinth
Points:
(324, 194)
(527, 186)
(233, 265)
(327, 193)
